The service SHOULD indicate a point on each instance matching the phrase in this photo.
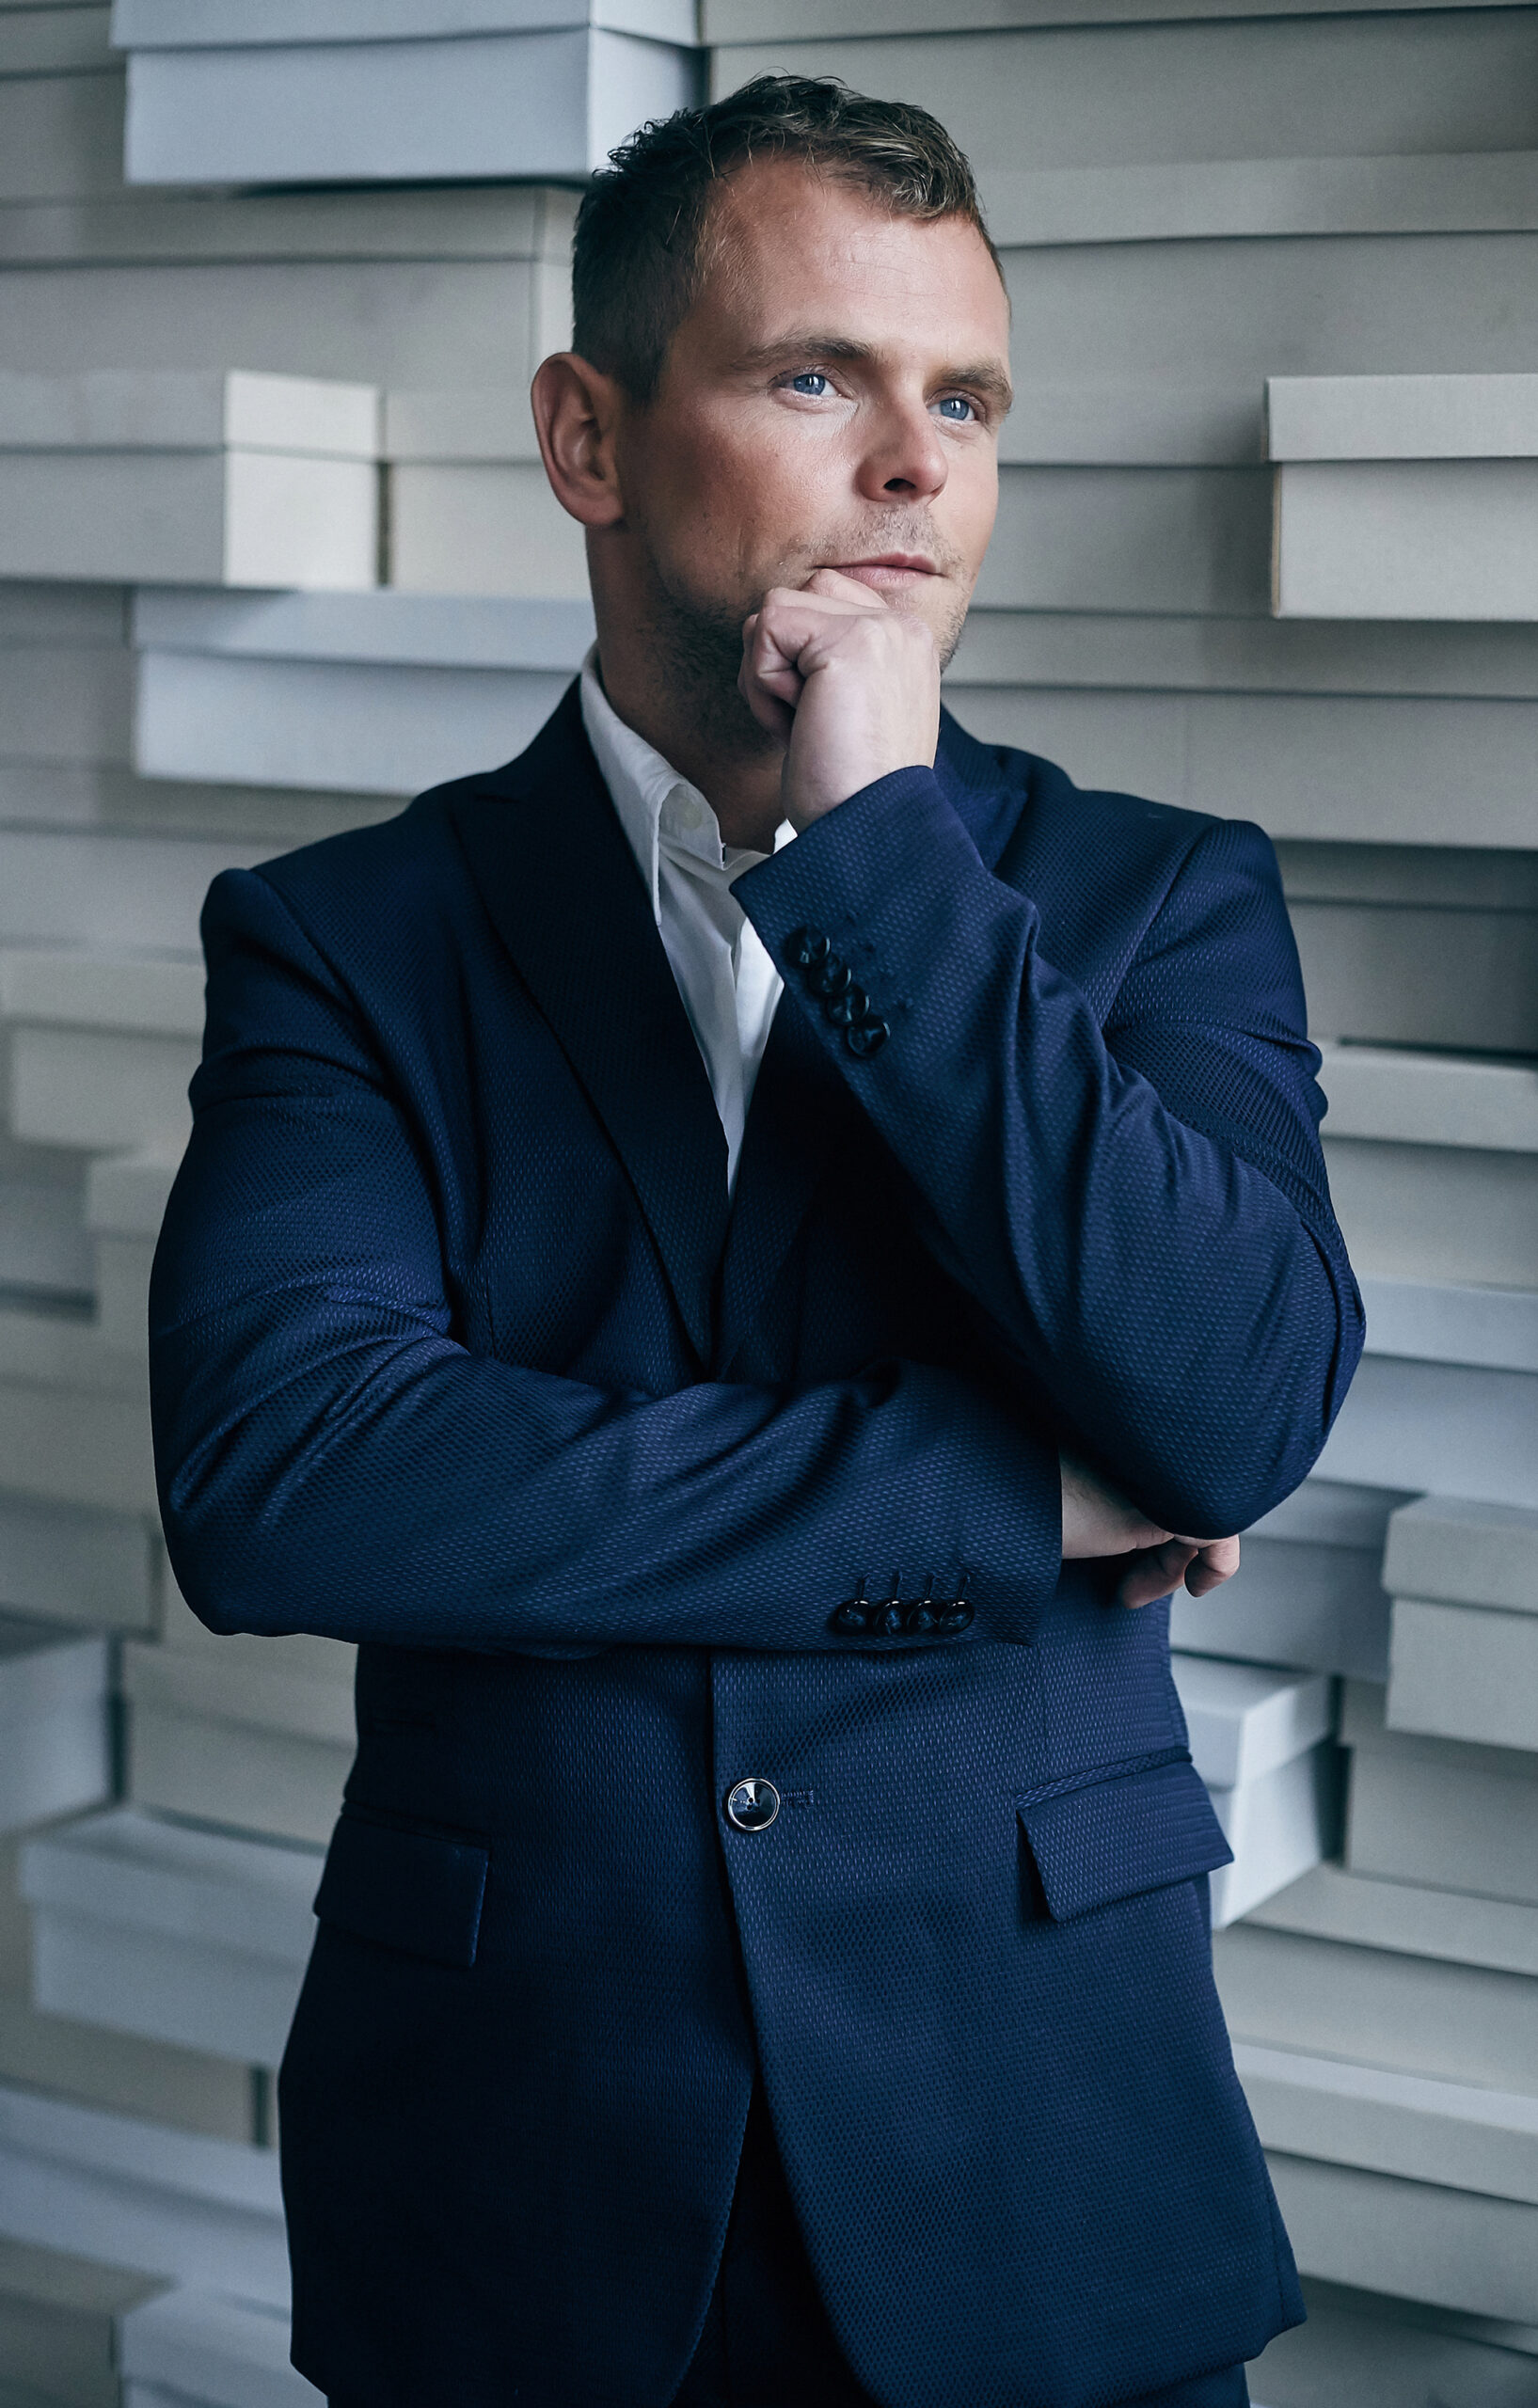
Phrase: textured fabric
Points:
(728, 984)
(457, 1351)
(767, 2341)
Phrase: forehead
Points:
(786, 246)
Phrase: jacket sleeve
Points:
(330, 1459)
(1141, 1210)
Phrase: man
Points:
(728, 1254)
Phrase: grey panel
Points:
(1356, 2349)
(1172, 654)
(1362, 769)
(1460, 2023)
(61, 136)
(1412, 1921)
(1438, 1425)
(1413, 2238)
(1464, 1673)
(384, 322)
(478, 222)
(744, 21)
(1130, 540)
(1437, 1213)
(43, 41)
(59, 2318)
(1407, 539)
(67, 702)
(1467, 979)
(534, 104)
(92, 888)
(1271, 88)
(1451, 876)
(1446, 1825)
(1443, 1547)
(1318, 1606)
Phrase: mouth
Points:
(888, 572)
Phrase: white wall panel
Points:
(60, 136)
(1366, 771)
(1243, 1722)
(1445, 1547)
(1406, 1919)
(305, 723)
(1277, 1825)
(65, 702)
(74, 1565)
(192, 1937)
(1175, 540)
(1413, 2239)
(1306, 1592)
(1459, 1672)
(1406, 539)
(380, 321)
(476, 528)
(1375, 2006)
(132, 2194)
(243, 1779)
(1448, 1825)
(58, 2325)
(1438, 1425)
(1457, 2134)
(1272, 87)
(733, 22)
(1437, 1213)
(55, 1754)
(537, 103)
(190, 2349)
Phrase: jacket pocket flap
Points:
(407, 1890)
(1115, 1838)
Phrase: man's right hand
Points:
(1098, 1522)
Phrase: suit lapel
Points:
(563, 891)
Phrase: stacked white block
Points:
(124, 2192)
(336, 91)
(219, 478)
(1464, 1650)
(101, 1048)
(387, 692)
(1307, 1592)
(1405, 497)
(191, 2349)
(1438, 1812)
(56, 1751)
(171, 1931)
(1261, 1740)
(255, 1735)
(470, 507)
(60, 2324)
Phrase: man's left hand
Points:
(849, 684)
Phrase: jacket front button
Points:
(753, 1804)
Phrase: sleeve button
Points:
(866, 1038)
(808, 947)
(955, 1617)
(849, 1620)
(831, 976)
(845, 1009)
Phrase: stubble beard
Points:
(696, 642)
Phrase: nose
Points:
(904, 459)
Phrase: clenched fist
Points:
(848, 684)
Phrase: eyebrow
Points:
(984, 377)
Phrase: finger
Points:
(1156, 1573)
(774, 712)
(1214, 1564)
(844, 592)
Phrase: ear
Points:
(576, 410)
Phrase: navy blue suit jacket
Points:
(458, 1351)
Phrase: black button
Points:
(866, 1038)
(886, 1622)
(849, 1618)
(845, 1009)
(808, 947)
(955, 1617)
(921, 1619)
(831, 977)
(753, 1804)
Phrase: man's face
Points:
(833, 401)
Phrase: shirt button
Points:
(753, 1804)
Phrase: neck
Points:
(672, 675)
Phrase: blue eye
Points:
(806, 380)
(952, 407)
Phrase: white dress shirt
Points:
(729, 985)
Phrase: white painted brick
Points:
(1447, 1824)
(56, 1755)
(1459, 1672)
(1244, 1720)
(1401, 417)
(1438, 1426)
(1457, 2134)
(479, 527)
(1277, 1826)
(223, 1686)
(1331, 1904)
(251, 1780)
